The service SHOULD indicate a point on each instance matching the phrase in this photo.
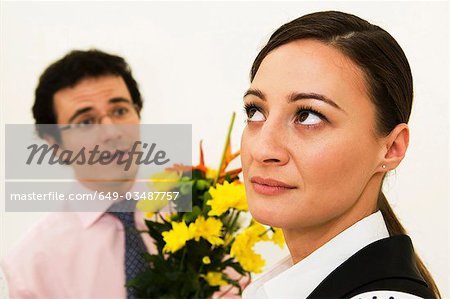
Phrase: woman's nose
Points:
(270, 146)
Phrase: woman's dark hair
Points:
(387, 74)
(69, 71)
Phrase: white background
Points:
(192, 61)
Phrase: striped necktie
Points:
(134, 245)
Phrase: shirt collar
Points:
(286, 280)
(89, 218)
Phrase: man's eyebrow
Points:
(119, 100)
(79, 112)
(296, 96)
(87, 109)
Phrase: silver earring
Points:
(383, 166)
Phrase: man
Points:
(84, 254)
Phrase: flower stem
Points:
(222, 295)
(230, 224)
(227, 142)
(182, 258)
(234, 221)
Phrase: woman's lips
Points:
(268, 186)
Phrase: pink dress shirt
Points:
(71, 255)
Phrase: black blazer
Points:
(387, 264)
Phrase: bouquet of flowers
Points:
(208, 250)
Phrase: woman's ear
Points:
(396, 145)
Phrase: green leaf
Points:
(191, 216)
(238, 268)
(202, 185)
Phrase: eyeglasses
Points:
(120, 113)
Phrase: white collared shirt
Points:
(286, 280)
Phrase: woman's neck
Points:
(305, 240)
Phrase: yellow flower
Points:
(177, 237)
(206, 260)
(228, 239)
(252, 262)
(241, 244)
(225, 197)
(148, 215)
(211, 173)
(164, 181)
(209, 229)
(214, 279)
(242, 248)
(258, 231)
(278, 237)
(151, 205)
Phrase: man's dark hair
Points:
(69, 71)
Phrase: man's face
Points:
(106, 104)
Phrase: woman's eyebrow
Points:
(296, 96)
(256, 92)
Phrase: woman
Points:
(327, 114)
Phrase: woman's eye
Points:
(306, 117)
(254, 114)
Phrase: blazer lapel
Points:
(391, 257)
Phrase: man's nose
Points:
(108, 130)
(105, 120)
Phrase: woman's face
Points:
(310, 153)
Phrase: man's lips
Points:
(268, 186)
